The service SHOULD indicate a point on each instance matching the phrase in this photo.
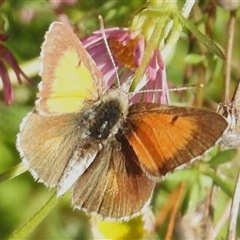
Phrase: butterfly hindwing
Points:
(47, 144)
(114, 186)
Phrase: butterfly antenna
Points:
(108, 48)
(170, 89)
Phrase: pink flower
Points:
(127, 48)
(7, 57)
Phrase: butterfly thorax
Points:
(105, 117)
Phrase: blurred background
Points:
(205, 195)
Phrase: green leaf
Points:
(194, 58)
(223, 184)
(222, 157)
(201, 37)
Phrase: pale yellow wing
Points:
(69, 75)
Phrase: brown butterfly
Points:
(87, 138)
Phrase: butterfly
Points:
(83, 136)
(231, 111)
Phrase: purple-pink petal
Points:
(7, 88)
(155, 71)
(3, 37)
(7, 56)
(138, 52)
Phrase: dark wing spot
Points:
(174, 119)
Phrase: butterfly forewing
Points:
(165, 137)
(69, 75)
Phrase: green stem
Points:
(227, 188)
(23, 232)
(153, 43)
(201, 37)
(13, 172)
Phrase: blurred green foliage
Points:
(189, 63)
